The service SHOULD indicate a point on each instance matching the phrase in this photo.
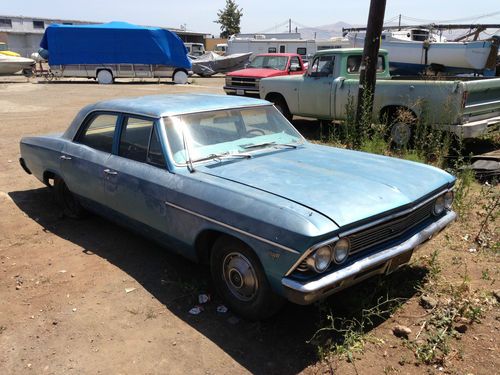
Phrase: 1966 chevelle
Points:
(228, 181)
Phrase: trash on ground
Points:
(203, 298)
(196, 310)
(222, 309)
(128, 290)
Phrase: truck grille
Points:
(244, 82)
(389, 230)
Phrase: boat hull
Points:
(12, 64)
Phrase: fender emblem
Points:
(274, 255)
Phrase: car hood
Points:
(257, 73)
(345, 186)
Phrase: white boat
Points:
(412, 51)
(13, 64)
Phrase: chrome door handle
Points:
(65, 157)
(109, 171)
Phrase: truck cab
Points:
(195, 49)
(246, 81)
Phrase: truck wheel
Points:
(69, 204)
(240, 280)
(402, 124)
(180, 77)
(104, 77)
(281, 106)
(401, 134)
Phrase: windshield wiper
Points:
(266, 144)
(224, 155)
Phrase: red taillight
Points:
(465, 95)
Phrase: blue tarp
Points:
(113, 43)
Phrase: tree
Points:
(229, 19)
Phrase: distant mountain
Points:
(324, 31)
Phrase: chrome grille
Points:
(392, 229)
(244, 82)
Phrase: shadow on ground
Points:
(279, 345)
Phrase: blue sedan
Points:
(230, 182)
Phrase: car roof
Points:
(172, 105)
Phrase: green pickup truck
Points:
(468, 107)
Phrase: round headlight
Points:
(448, 200)
(438, 206)
(321, 259)
(341, 250)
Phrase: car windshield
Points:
(269, 62)
(228, 133)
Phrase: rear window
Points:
(354, 63)
(99, 132)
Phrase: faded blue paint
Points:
(282, 200)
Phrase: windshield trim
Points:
(190, 163)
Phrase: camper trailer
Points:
(260, 43)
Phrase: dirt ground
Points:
(89, 297)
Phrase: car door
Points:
(316, 88)
(138, 183)
(83, 160)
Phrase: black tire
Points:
(69, 204)
(281, 106)
(231, 263)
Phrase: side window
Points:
(155, 153)
(282, 49)
(322, 66)
(134, 139)
(99, 132)
(353, 64)
(271, 50)
(380, 64)
(294, 63)
(301, 51)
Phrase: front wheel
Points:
(240, 280)
(180, 77)
(281, 106)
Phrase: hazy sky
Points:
(258, 15)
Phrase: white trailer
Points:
(260, 44)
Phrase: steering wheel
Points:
(256, 132)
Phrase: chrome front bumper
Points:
(306, 292)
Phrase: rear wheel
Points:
(69, 204)
(281, 106)
(240, 280)
(104, 77)
(402, 128)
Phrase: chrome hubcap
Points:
(401, 133)
(240, 276)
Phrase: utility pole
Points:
(368, 68)
(289, 26)
(399, 23)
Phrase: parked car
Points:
(229, 181)
(469, 108)
(246, 81)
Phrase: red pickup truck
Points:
(246, 81)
